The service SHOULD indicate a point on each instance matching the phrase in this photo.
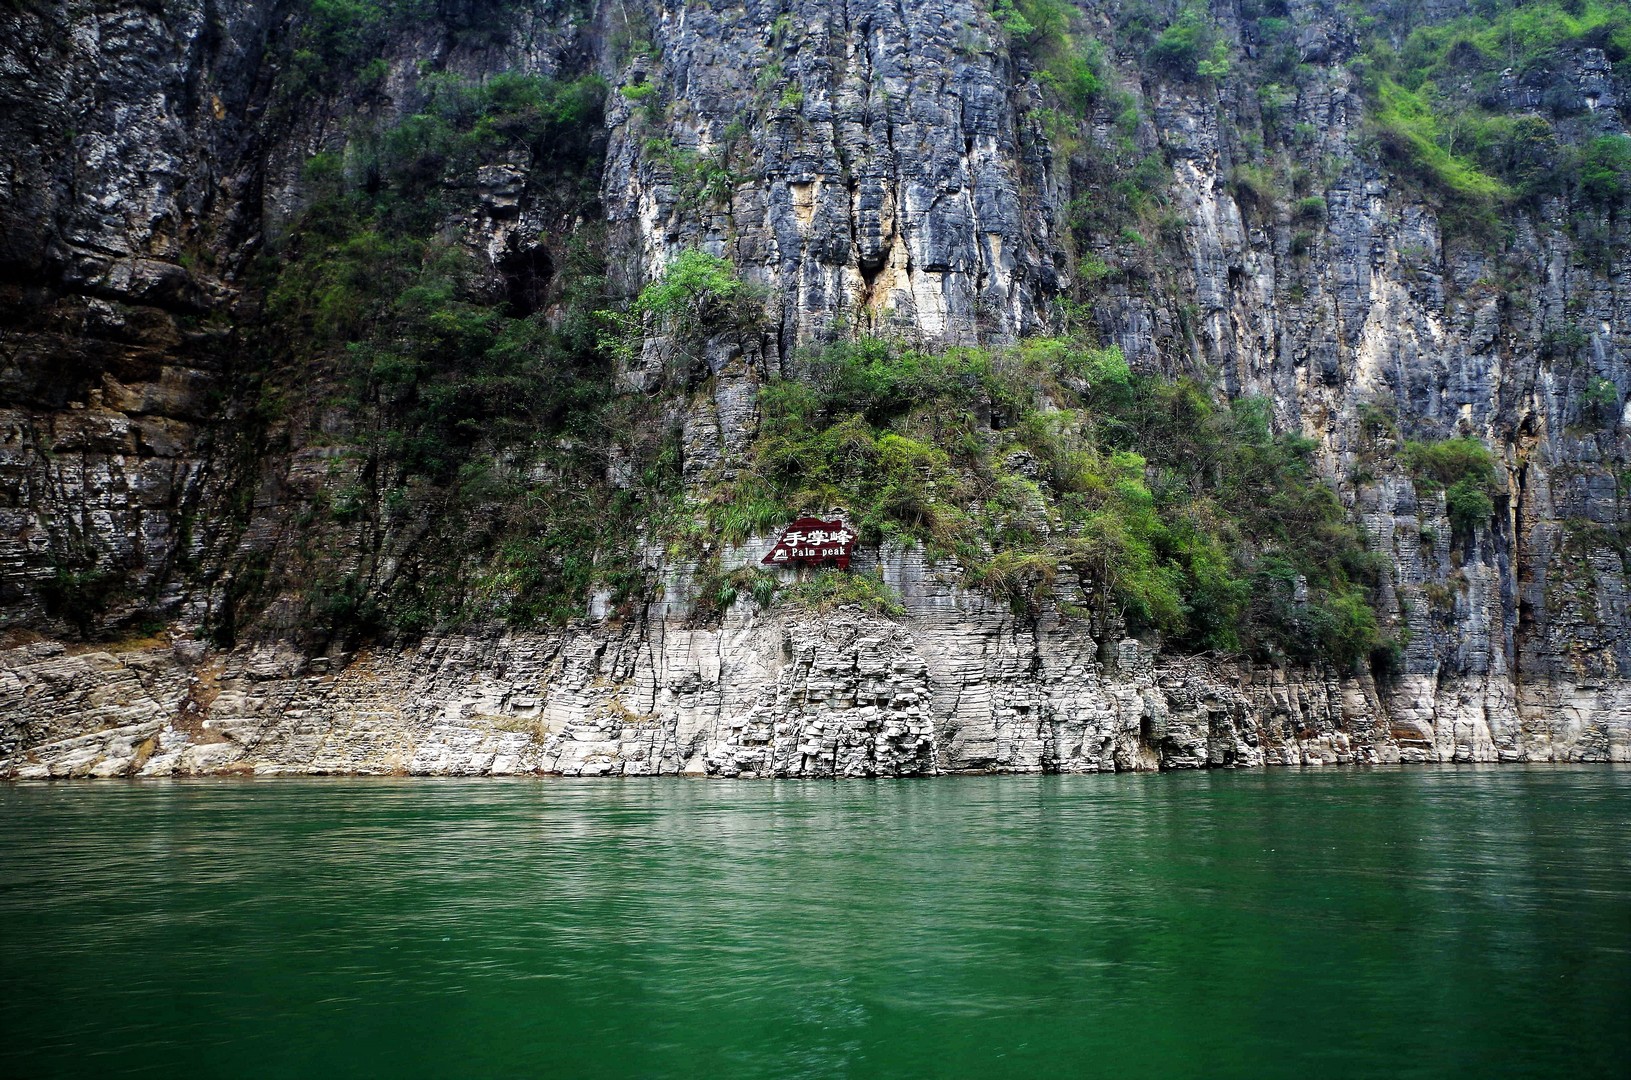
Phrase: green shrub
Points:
(1465, 469)
(1469, 505)
(699, 180)
(1605, 169)
(697, 294)
(337, 44)
(1408, 128)
(1091, 269)
(1254, 186)
(335, 38)
(1434, 101)
(1071, 72)
(448, 388)
(1521, 150)
(1191, 48)
(1011, 19)
(1497, 35)
(1140, 491)
(1600, 400)
(1447, 462)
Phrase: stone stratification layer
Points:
(898, 176)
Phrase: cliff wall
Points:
(176, 469)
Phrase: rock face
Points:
(761, 695)
(885, 167)
(888, 183)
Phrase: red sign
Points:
(810, 540)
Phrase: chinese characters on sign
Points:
(810, 540)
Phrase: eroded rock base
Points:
(779, 694)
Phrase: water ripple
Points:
(1255, 924)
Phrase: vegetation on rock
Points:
(1439, 95)
(1054, 475)
(1464, 470)
(452, 388)
(699, 293)
(1070, 68)
(1047, 473)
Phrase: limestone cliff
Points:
(176, 470)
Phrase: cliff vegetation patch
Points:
(1483, 110)
(1050, 473)
(439, 385)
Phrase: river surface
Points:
(1272, 923)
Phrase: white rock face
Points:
(783, 693)
(897, 176)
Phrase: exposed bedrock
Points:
(889, 168)
(954, 685)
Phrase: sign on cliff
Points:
(811, 541)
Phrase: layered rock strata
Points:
(951, 686)
(895, 174)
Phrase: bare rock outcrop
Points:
(888, 168)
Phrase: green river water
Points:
(1275, 923)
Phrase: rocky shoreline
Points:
(893, 169)
(776, 694)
